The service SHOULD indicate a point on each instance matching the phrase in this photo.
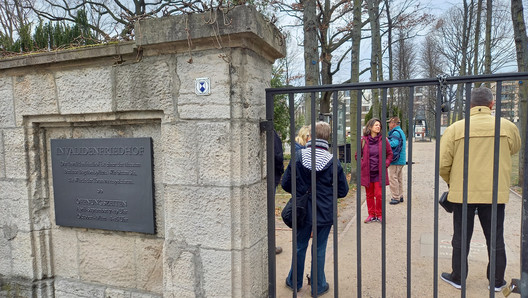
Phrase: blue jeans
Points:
(303, 236)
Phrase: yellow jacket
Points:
(480, 167)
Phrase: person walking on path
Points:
(371, 167)
(324, 201)
(397, 142)
(480, 181)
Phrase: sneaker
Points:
(379, 219)
(370, 219)
(401, 200)
(450, 280)
(394, 201)
(325, 289)
(499, 288)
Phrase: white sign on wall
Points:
(203, 86)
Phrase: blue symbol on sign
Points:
(202, 87)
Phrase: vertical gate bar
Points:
(463, 248)
(495, 191)
(334, 179)
(270, 179)
(438, 117)
(293, 169)
(524, 218)
(345, 138)
(409, 192)
(358, 187)
(314, 198)
(383, 193)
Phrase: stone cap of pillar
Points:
(241, 26)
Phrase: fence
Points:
(522, 286)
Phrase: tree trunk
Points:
(477, 39)
(521, 47)
(487, 53)
(389, 45)
(354, 78)
(311, 56)
(375, 56)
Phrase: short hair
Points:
(370, 124)
(481, 96)
(322, 130)
(395, 119)
(302, 136)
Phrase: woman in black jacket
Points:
(324, 201)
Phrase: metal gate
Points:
(440, 83)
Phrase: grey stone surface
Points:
(7, 110)
(35, 94)
(71, 288)
(149, 264)
(199, 214)
(65, 250)
(14, 212)
(84, 90)
(22, 255)
(146, 85)
(2, 155)
(15, 153)
(260, 36)
(6, 235)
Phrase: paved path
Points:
(422, 231)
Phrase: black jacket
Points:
(279, 158)
(324, 184)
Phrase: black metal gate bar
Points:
(438, 116)
(384, 85)
(334, 179)
(270, 162)
(358, 187)
(495, 189)
(384, 178)
(313, 135)
(463, 249)
(524, 224)
(293, 169)
(409, 190)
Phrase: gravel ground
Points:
(395, 230)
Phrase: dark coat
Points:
(324, 183)
(279, 158)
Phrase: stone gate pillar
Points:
(195, 86)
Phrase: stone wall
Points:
(209, 161)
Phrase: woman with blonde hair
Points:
(302, 137)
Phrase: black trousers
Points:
(484, 214)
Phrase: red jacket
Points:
(365, 162)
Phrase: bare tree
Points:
(13, 20)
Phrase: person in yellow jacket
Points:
(480, 180)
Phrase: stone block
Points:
(249, 223)
(14, 201)
(199, 214)
(116, 293)
(65, 250)
(217, 272)
(22, 255)
(7, 108)
(84, 90)
(149, 295)
(2, 155)
(107, 259)
(179, 153)
(209, 111)
(35, 95)
(71, 288)
(147, 85)
(150, 265)
(15, 153)
(246, 153)
(180, 270)
(5, 251)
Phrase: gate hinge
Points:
(265, 125)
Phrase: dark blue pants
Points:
(303, 236)
(484, 214)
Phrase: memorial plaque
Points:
(104, 183)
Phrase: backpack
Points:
(397, 151)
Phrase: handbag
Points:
(302, 205)
(448, 206)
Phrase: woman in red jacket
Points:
(371, 167)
